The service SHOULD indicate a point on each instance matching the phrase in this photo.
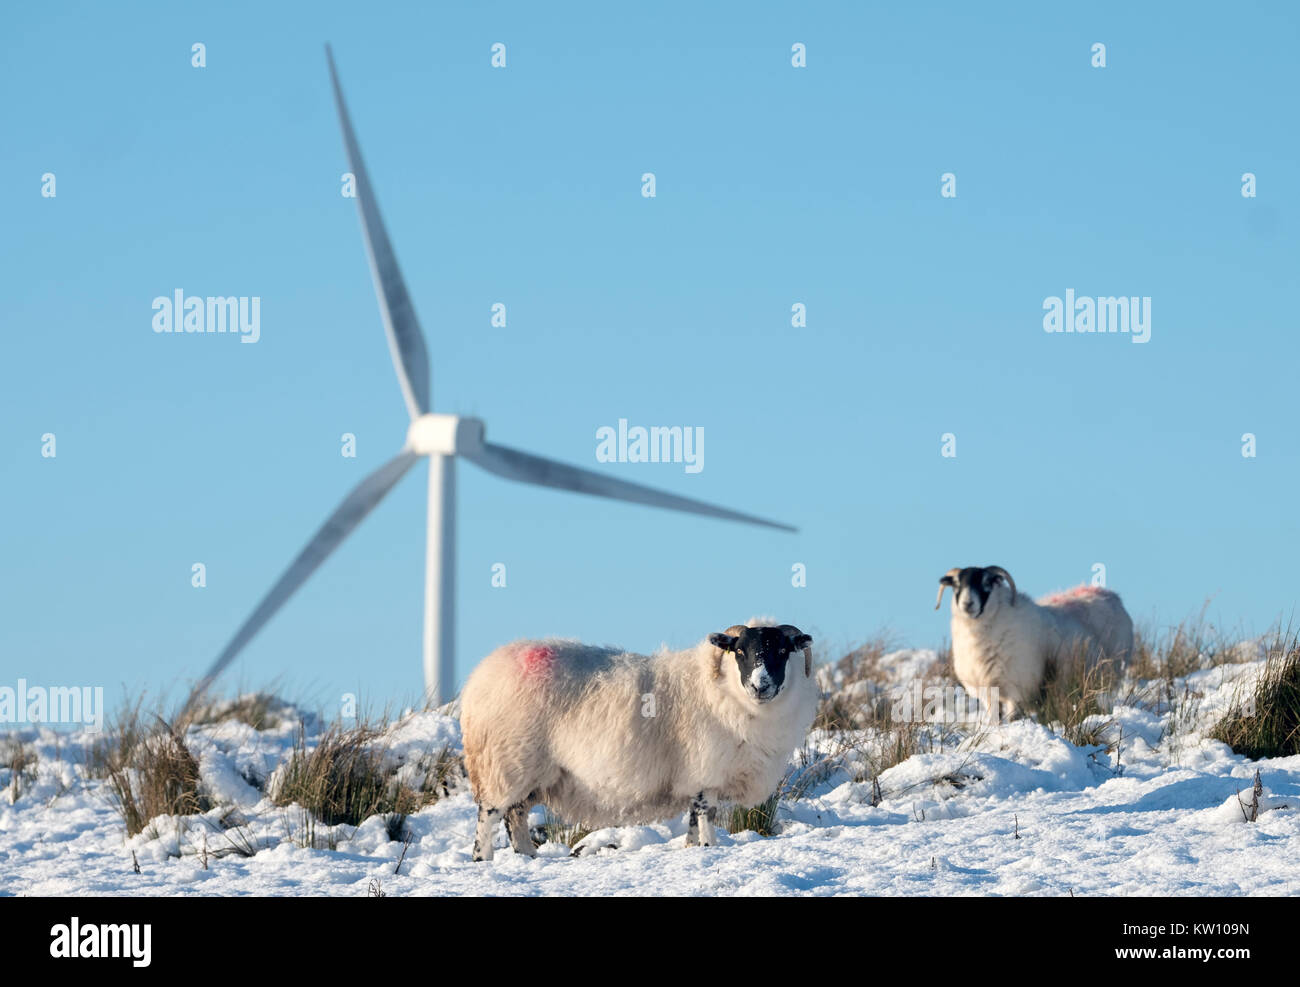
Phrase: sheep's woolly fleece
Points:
(1164, 818)
(1076, 593)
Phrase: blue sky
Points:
(521, 185)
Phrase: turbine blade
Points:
(360, 502)
(405, 340)
(527, 468)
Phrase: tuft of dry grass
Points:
(858, 730)
(150, 771)
(859, 681)
(340, 780)
(238, 840)
(259, 710)
(346, 778)
(1176, 652)
(1077, 698)
(556, 830)
(115, 744)
(885, 743)
(760, 819)
(21, 762)
(1265, 722)
(311, 834)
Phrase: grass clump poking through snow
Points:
(1265, 721)
(859, 678)
(150, 771)
(868, 722)
(340, 780)
(20, 761)
(1077, 697)
(760, 819)
(556, 830)
(1165, 656)
(113, 745)
(893, 743)
(259, 710)
(347, 777)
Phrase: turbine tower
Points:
(441, 439)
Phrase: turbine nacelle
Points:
(444, 435)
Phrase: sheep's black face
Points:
(762, 656)
(972, 588)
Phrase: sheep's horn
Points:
(949, 578)
(789, 630)
(997, 570)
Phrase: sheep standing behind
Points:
(603, 737)
(1003, 642)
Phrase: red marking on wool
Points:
(1078, 592)
(536, 658)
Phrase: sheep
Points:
(1002, 641)
(603, 737)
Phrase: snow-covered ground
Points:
(1015, 810)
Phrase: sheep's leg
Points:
(486, 833)
(990, 705)
(995, 708)
(704, 813)
(517, 829)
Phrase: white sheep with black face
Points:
(1003, 641)
(603, 737)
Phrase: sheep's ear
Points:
(724, 641)
(796, 637)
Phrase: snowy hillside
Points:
(1154, 807)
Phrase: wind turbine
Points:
(441, 439)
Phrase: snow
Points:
(1008, 810)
